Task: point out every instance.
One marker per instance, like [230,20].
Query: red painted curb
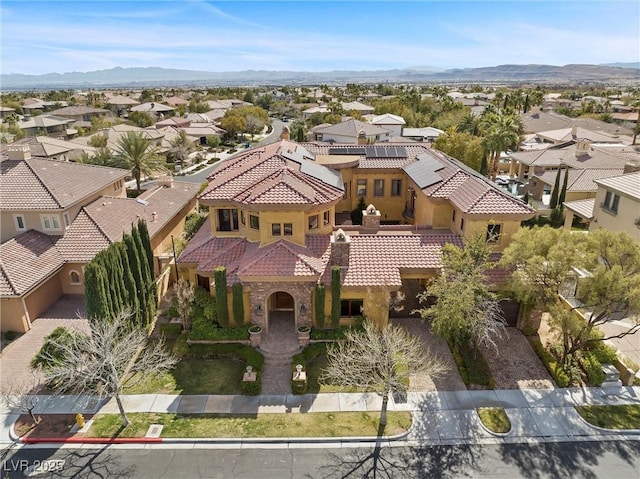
[92,440]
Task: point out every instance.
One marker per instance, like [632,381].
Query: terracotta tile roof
[271,175]
[281,258]
[390,254]
[37,184]
[352,128]
[105,220]
[27,260]
[383,163]
[597,157]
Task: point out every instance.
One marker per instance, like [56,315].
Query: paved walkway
[438,417]
[278,346]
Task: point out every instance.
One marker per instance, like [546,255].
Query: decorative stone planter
[255,336]
[304,336]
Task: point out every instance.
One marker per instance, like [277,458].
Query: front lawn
[195,376]
[329,424]
[495,419]
[612,417]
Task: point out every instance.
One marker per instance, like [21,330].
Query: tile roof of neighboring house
[176,101]
[6,109]
[577,133]
[44,121]
[316,109]
[202,129]
[152,106]
[27,260]
[121,100]
[597,157]
[387,119]
[535,121]
[173,121]
[105,220]
[583,208]
[428,132]
[277,173]
[77,110]
[352,128]
[37,184]
[356,105]
[391,254]
[581,180]
[47,147]
[628,184]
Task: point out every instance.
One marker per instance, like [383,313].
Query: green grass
[612,417]
[495,419]
[194,376]
[472,366]
[330,424]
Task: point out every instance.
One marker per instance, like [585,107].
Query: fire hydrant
[80,420]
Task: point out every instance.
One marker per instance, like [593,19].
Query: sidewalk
[438,417]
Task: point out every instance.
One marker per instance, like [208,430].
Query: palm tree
[500,131]
[469,123]
[138,154]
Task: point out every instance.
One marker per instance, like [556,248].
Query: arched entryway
[281,308]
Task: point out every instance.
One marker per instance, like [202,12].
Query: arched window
[75,277]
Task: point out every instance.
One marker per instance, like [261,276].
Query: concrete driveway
[16,357]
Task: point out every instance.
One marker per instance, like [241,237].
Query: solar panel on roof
[346,151]
[385,151]
[424,171]
[322,173]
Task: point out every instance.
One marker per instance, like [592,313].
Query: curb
[91,440]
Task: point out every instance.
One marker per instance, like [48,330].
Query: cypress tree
[563,191]
[238,304]
[222,309]
[336,278]
[556,190]
[136,270]
[146,242]
[147,275]
[133,302]
[96,296]
[484,165]
[319,295]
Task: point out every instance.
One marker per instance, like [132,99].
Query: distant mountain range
[155,76]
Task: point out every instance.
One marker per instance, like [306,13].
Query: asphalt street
[592,459]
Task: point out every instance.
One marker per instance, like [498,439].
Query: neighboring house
[33,106]
[154,108]
[36,269]
[46,125]
[580,183]
[5,111]
[616,206]
[175,121]
[80,113]
[580,155]
[351,131]
[272,225]
[54,148]
[46,195]
[357,106]
[427,134]
[309,112]
[563,135]
[393,123]
[120,103]
[536,120]
[176,101]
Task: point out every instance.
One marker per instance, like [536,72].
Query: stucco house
[53,224]
[615,207]
[351,131]
[277,224]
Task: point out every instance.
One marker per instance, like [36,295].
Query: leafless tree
[22,394]
[102,362]
[380,360]
[185,294]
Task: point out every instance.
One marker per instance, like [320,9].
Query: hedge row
[561,378]
[249,355]
[204,329]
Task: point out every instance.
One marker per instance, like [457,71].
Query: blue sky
[50,36]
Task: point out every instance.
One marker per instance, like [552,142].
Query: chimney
[631,166]
[362,138]
[19,152]
[582,148]
[154,216]
[166,181]
[574,131]
[285,135]
[370,220]
[340,247]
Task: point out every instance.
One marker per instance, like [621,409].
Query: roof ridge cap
[6,275]
[100,229]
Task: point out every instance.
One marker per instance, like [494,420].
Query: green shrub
[204,305]
[474,366]
[559,375]
[172,312]
[171,330]
[180,347]
[318,303]
[237,305]
[252,388]
[193,223]
[205,330]
[220,280]
[604,353]
[10,335]
[593,369]
[252,357]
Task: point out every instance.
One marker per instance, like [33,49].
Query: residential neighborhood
[368,268]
